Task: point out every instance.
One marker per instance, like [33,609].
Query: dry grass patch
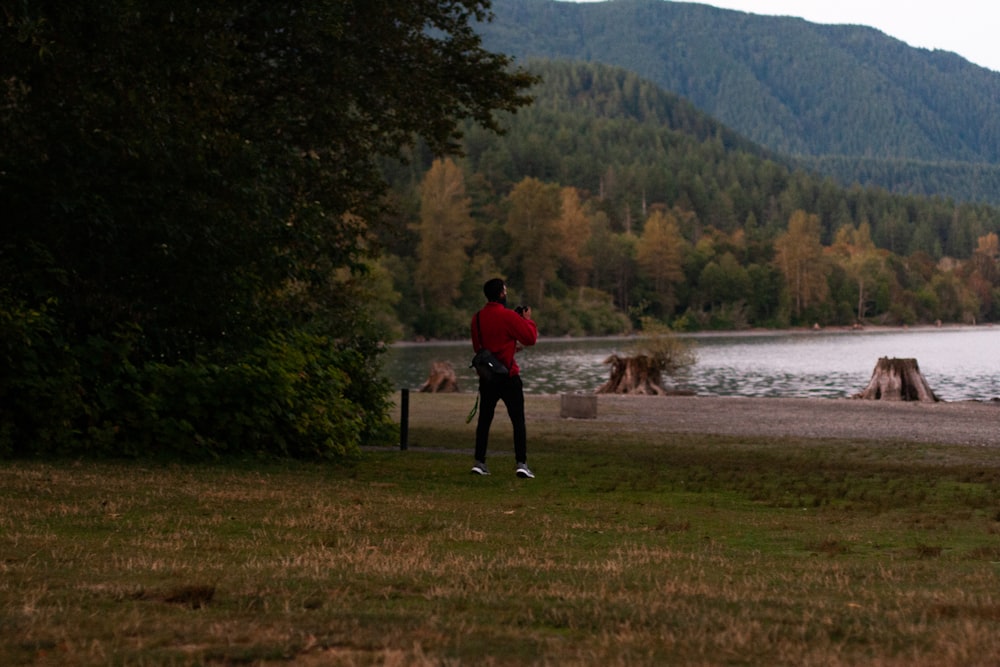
[648,550]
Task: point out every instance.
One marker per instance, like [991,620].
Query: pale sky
[966,27]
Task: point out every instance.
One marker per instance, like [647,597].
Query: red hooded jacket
[502,330]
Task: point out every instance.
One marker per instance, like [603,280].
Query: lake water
[958,363]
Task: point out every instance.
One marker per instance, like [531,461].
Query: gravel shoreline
[963,422]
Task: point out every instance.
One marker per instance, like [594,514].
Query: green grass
[631,547]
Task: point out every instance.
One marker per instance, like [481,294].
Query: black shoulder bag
[489,368]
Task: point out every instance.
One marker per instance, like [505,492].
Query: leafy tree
[659,254]
[986,257]
[956,302]
[765,297]
[192,189]
[854,250]
[574,228]
[445,231]
[536,241]
[724,281]
[799,256]
[984,273]
[614,260]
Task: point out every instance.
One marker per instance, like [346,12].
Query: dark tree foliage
[187,185]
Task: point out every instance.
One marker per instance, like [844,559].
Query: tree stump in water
[897,380]
[442,379]
[633,375]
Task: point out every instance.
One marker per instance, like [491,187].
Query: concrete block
[578,406]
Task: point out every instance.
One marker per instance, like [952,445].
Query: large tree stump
[633,375]
[442,379]
[897,380]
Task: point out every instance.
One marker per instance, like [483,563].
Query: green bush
[297,396]
[585,313]
[442,323]
[287,399]
[40,396]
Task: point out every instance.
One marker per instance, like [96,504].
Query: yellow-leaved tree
[445,231]
[799,257]
[574,227]
[660,255]
[986,257]
[984,273]
[536,241]
[854,249]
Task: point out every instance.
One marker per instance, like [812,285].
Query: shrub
[297,395]
[40,394]
[585,313]
[286,399]
[668,353]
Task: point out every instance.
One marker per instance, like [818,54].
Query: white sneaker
[480,469]
[524,471]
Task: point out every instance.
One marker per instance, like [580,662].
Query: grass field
[630,548]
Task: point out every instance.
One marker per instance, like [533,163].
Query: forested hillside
[610,200]
[847,100]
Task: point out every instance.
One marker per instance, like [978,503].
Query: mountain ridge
[823,94]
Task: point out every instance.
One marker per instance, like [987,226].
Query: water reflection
[959,363]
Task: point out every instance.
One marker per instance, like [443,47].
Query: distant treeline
[609,201]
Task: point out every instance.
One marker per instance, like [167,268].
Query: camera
[520,310]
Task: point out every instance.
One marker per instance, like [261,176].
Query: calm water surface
[959,363]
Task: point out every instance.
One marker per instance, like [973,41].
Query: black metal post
[404,419]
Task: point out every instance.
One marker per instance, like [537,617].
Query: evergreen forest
[845,100]
[609,203]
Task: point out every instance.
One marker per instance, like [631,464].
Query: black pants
[511,392]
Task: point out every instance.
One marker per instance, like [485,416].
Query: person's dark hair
[493,288]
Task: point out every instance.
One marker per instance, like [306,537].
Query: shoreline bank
[735,333]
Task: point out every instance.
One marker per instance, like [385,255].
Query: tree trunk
[442,379]
[861,299]
[897,380]
[632,375]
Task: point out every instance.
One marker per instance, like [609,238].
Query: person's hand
[526,312]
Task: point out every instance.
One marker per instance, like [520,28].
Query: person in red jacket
[501,330]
